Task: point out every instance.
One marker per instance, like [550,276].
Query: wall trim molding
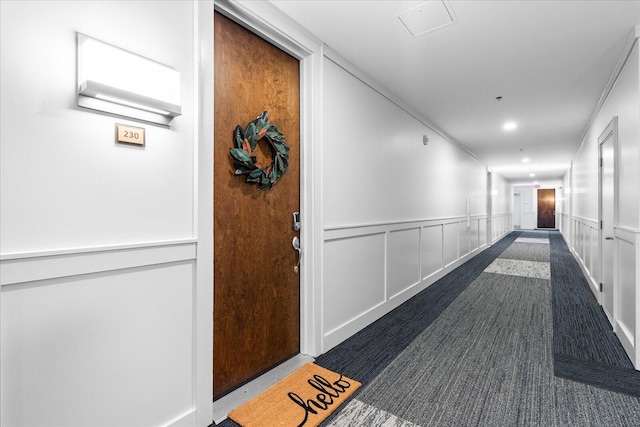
[587,221]
[91,249]
[22,268]
[340,231]
[629,235]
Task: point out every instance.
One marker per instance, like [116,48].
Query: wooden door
[547,208]
[256,291]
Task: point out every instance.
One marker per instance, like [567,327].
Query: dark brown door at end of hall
[547,208]
[256,315]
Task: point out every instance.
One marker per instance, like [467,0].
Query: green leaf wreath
[246,141]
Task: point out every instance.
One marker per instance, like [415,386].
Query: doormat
[304,398]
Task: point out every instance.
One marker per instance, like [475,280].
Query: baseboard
[188,419]
[628,343]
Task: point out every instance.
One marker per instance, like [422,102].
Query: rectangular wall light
[115,81]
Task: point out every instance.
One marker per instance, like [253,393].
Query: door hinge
[600,286]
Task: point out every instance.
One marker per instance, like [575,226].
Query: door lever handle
[608,238]
[296,245]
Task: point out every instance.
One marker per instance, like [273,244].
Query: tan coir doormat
[304,398]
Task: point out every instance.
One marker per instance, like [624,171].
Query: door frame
[610,132]
[268,22]
[265,20]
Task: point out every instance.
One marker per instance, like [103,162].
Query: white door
[607,216]
[517,210]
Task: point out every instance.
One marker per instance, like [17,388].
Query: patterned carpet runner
[514,337]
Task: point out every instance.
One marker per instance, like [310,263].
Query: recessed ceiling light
[526,160]
[510,126]
[532,175]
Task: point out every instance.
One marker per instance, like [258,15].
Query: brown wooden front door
[256,291]
[547,208]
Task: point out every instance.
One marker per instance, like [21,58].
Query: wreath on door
[246,142]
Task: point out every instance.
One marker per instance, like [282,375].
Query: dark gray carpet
[478,349]
[485,361]
[584,345]
[488,360]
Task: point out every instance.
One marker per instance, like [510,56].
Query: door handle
[296,245]
[608,238]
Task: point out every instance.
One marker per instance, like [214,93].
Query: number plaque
[129,135]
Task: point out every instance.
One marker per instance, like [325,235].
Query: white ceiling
[549,60]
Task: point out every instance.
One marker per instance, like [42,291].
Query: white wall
[564,207]
[98,240]
[65,184]
[623,102]
[395,210]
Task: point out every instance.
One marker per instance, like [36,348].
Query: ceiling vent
[427,17]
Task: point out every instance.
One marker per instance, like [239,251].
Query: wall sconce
[115,81]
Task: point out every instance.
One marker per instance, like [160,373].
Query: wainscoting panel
[626,323]
[403,260]
[85,338]
[594,256]
[585,248]
[354,278]
[473,234]
[371,269]
[482,232]
[450,243]
[585,245]
[464,239]
[565,224]
[500,226]
[431,243]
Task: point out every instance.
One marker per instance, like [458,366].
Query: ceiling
[549,61]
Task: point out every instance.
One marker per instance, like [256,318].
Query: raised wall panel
[626,316]
[464,243]
[431,243]
[372,269]
[482,231]
[595,256]
[450,243]
[354,278]
[118,344]
[403,260]
[473,232]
